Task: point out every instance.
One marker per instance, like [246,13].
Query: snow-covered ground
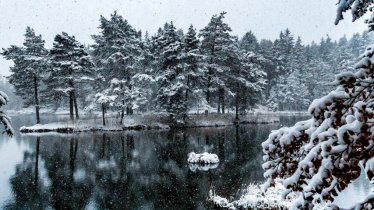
[93,122]
[81,126]
[254,198]
[203,158]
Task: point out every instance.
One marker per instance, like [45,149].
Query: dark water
[129,170]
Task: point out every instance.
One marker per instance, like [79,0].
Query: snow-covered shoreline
[147,122]
[76,128]
[254,198]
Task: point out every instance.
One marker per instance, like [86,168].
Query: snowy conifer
[192,69]
[216,45]
[170,73]
[30,64]
[321,156]
[71,66]
[117,51]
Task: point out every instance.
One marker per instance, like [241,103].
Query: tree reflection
[135,170]
[66,192]
[29,192]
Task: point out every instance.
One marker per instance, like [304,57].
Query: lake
[132,169]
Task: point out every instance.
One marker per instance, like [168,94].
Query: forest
[177,72]
[278,124]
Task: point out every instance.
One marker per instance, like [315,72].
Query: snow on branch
[358,9]
[321,156]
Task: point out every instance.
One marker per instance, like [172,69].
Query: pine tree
[171,77]
[193,72]
[319,157]
[250,79]
[117,52]
[249,42]
[71,65]
[216,45]
[281,57]
[30,64]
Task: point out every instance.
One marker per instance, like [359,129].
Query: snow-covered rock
[203,158]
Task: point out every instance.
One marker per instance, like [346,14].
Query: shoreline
[148,122]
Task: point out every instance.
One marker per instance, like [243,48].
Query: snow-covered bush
[254,198]
[321,156]
[5,120]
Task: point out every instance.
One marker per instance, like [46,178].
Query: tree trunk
[75,105]
[71,96]
[222,93]
[122,111]
[71,105]
[219,103]
[223,105]
[103,112]
[237,103]
[123,105]
[36,100]
[129,110]
[186,98]
[209,84]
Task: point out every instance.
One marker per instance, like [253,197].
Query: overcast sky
[266,18]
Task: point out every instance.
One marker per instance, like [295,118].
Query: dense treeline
[174,71]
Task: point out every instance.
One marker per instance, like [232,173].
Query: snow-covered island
[147,122]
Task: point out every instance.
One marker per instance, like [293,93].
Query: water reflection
[131,170]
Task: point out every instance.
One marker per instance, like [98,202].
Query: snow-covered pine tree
[249,42]
[193,72]
[171,77]
[280,55]
[5,120]
[296,88]
[216,45]
[250,80]
[30,64]
[71,65]
[117,51]
[344,58]
[319,157]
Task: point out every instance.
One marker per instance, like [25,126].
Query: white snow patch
[204,158]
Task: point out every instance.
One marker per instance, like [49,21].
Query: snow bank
[254,198]
[204,158]
[82,127]
[65,128]
[148,121]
